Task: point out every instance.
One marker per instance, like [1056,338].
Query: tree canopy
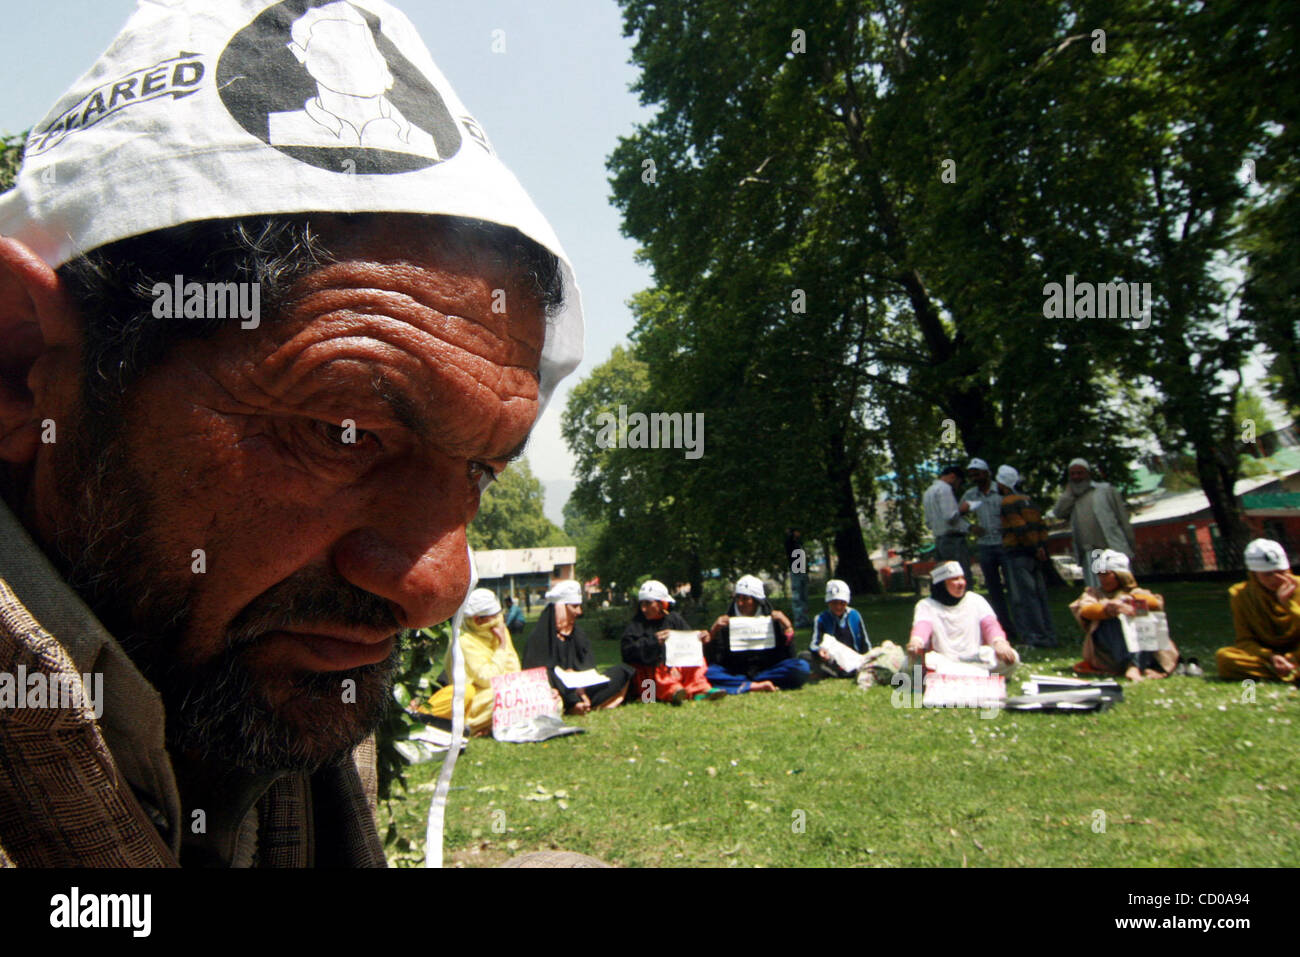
[854,211]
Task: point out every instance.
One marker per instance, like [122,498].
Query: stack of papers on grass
[1083,699]
[1049,684]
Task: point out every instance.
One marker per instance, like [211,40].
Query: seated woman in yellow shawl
[488,650]
[1266,617]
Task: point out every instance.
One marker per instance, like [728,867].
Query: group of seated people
[951,621]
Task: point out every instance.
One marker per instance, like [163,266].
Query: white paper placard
[844,656]
[964,691]
[579,679]
[751,634]
[683,650]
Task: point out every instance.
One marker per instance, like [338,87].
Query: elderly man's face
[315,549]
[1078,473]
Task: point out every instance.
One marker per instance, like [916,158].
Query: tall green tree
[511,514]
[922,172]
[11,158]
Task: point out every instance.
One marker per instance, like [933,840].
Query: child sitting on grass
[840,622]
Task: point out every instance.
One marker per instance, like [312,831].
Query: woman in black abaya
[556,640]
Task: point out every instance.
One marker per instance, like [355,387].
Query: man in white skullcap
[1266,618]
[959,624]
[1024,540]
[986,505]
[253,384]
[1098,518]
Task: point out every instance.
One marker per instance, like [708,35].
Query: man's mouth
[333,651]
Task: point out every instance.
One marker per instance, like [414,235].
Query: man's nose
[410,548]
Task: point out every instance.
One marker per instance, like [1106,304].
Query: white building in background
[510,571]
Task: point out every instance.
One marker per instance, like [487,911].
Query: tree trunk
[1217,470]
[854,566]
[696,576]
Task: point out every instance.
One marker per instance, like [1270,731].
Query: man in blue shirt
[840,622]
[514,617]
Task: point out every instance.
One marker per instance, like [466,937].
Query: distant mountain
[557,492]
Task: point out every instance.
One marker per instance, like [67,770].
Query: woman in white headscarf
[1266,616]
[485,642]
[738,670]
[1102,612]
[556,641]
[959,624]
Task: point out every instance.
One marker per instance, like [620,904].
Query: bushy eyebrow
[407,413]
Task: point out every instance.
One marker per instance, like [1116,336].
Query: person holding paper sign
[840,622]
[763,662]
[556,641]
[1266,617]
[1109,616]
[959,624]
[489,652]
[643,648]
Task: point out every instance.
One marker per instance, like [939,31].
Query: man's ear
[40,347]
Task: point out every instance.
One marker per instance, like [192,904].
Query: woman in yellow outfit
[1266,618]
[485,643]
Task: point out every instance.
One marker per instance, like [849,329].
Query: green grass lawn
[1185,771]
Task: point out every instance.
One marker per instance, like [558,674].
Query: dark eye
[344,436]
[479,469]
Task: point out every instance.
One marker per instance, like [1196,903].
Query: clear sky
[554,104]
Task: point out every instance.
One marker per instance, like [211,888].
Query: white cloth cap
[566,591]
[942,572]
[837,590]
[751,586]
[201,110]
[1008,476]
[978,464]
[1266,555]
[482,601]
[1110,561]
[654,591]
[1083,462]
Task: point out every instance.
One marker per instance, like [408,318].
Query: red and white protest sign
[519,696]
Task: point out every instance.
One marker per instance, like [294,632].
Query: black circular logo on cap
[322,83]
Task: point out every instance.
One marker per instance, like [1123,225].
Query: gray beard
[216,710]
[1078,488]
